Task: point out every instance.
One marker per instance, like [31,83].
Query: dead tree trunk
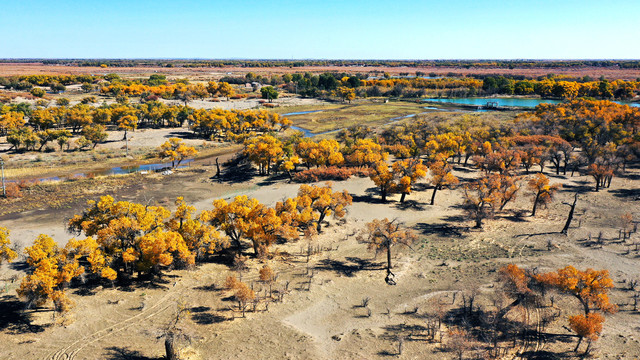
[565,230]
[169,347]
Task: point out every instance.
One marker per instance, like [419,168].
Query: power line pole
[4,189]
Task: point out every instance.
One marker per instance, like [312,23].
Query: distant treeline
[624,64]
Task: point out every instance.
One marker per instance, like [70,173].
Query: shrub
[13,191]
[37,92]
[329,173]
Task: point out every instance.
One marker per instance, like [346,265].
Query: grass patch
[332,117]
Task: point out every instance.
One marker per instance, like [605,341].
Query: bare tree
[565,230]
[382,235]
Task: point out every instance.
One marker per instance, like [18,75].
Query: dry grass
[332,117]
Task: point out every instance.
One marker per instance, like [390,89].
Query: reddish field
[15,69]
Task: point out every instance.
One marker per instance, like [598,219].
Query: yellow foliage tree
[323,201]
[409,171]
[384,178]
[365,152]
[130,237]
[441,175]
[6,253]
[50,270]
[263,150]
[176,151]
[201,238]
[225,90]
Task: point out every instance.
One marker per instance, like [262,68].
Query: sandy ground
[326,321]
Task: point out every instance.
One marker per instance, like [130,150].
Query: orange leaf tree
[591,287]
[481,198]
[543,190]
[263,150]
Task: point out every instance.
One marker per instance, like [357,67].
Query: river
[515,102]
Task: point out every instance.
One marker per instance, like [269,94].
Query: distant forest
[623,64]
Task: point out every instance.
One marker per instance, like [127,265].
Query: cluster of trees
[124,238]
[596,137]
[158,87]
[30,128]
[469,86]
[235,124]
[498,185]
[54,82]
[608,134]
[590,287]
[562,89]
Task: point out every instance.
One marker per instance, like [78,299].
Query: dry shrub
[269,105]
[13,191]
[239,96]
[329,173]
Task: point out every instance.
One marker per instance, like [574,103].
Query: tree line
[30,128]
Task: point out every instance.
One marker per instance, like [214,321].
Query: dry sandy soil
[325,321]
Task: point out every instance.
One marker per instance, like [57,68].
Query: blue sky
[328,29]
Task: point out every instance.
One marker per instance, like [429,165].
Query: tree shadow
[421,187]
[236,170]
[632,194]
[411,332]
[199,309]
[483,326]
[629,176]
[546,355]
[15,319]
[411,204]
[580,187]
[537,234]
[515,216]
[211,288]
[123,353]
[387,353]
[273,179]
[183,135]
[463,169]
[205,318]
[443,230]
[371,196]
[19,266]
[350,266]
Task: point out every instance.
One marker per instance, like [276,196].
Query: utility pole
[4,189]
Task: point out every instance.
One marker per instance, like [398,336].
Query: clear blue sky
[327,29]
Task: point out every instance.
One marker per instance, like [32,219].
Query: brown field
[202,73]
